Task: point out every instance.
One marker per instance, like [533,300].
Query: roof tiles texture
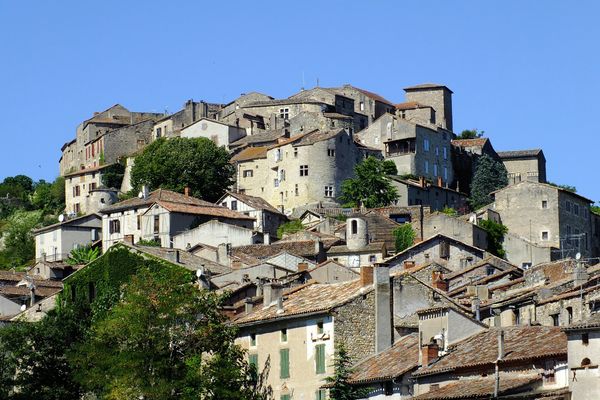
[481,388]
[519,153]
[302,248]
[255,202]
[155,196]
[212,210]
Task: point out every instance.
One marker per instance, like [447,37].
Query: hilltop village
[450,316]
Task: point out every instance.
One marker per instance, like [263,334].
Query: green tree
[490,175]
[595,208]
[49,197]
[404,237]
[389,167]
[19,246]
[470,134]
[568,188]
[179,162]
[449,211]
[112,176]
[289,227]
[370,186]
[495,236]
[83,255]
[341,388]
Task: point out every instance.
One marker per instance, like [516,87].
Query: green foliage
[112,176]
[409,176]
[49,197]
[83,255]
[490,175]
[595,208]
[102,158]
[148,242]
[405,237]
[341,217]
[450,211]
[289,227]
[470,134]
[568,188]
[19,245]
[179,162]
[495,236]
[389,167]
[370,186]
[341,389]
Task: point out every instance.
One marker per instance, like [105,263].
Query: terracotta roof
[304,248]
[426,86]
[522,343]
[261,137]
[399,359]
[87,170]
[519,153]
[479,142]
[369,248]
[593,322]
[153,197]
[482,387]
[212,210]
[313,298]
[250,153]
[410,105]
[255,202]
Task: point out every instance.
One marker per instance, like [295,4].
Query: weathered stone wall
[354,325]
[439,98]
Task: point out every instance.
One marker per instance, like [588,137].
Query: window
[320,395]
[234,205]
[253,360]
[76,191]
[568,206]
[114,226]
[304,170]
[331,152]
[284,335]
[328,191]
[372,258]
[320,359]
[435,170]
[426,167]
[284,363]
[388,388]
[354,227]
[576,209]
[295,152]
[248,173]
[569,315]
[544,204]
[437,151]
[425,144]
[253,339]
[158,132]
[93,186]
[544,235]
[586,362]
[362,106]
[77,208]
[555,319]
[446,174]
[278,156]
[585,339]
[445,149]
[296,191]
[156,223]
[320,327]
[139,222]
[282,175]
[284,113]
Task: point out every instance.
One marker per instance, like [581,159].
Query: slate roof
[396,361]
[593,322]
[482,387]
[317,136]
[310,299]
[255,202]
[250,153]
[522,343]
[519,153]
[303,248]
[66,223]
[369,248]
[153,197]
[261,137]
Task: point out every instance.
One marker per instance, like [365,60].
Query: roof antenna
[317,82]
[302,88]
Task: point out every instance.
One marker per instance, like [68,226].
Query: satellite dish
[61,218]
[578,256]
[23,307]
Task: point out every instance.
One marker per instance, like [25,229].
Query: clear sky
[525,72]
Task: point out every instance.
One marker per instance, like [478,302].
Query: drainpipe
[497,367]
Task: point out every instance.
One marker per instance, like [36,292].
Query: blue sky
[525,72]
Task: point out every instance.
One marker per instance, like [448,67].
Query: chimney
[429,352]
[272,291]
[438,282]
[186,191]
[383,308]
[280,309]
[248,305]
[475,307]
[128,239]
[145,192]
[422,181]
[266,238]
[302,267]
[173,256]
[319,250]
[439,181]
[408,264]
[223,252]
[366,276]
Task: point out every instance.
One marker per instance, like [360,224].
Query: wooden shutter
[320,358]
[253,360]
[284,363]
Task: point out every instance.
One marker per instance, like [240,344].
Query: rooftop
[303,248]
[482,388]
[156,196]
[593,322]
[258,203]
[211,210]
[519,153]
[478,142]
[426,86]
[410,105]
[251,153]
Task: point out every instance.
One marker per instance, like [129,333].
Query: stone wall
[354,324]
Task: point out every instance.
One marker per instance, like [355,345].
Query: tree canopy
[370,185]
[470,134]
[177,163]
[489,176]
[404,237]
[341,389]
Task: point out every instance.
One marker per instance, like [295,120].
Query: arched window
[354,227]
[585,362]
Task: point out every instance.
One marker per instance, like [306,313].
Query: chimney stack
[145,192]
[429,352]
[383,308]
[272,292]
[475,307]
[366,276]
[302,267]
[319,250]
[248,305]
[438,282]
[186,191]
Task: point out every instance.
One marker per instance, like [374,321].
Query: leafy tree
[289,227]
[490,175]
[165,339]
[83,255]
[470,134]
[341,388]
[370,186]
[19,246]
[449,211]
[49,197]
[112,176]
[595,208]
[495,236]
[405,237]
[568,188]
[179,162]
[389,167]
[148,242]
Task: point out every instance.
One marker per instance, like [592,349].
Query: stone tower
[356,232]
[437,96]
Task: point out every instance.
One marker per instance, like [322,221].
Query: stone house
[465,153]
[332,272]
[284,174]
[583,349]
[20,290]
[266,217]
[456,228]
[546,216]
[171,125]
[220,133]
[524,165]
[358,250]
[421,192]
[312,249]
[234,112]
[85,192]
[214,232]
[53,243]
[436,96]
[366,103]
[416,149]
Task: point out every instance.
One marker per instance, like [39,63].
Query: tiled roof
[156,196]
[410,105]
[304,248]
[251,153]
[336,116]
[432,238]
[87,170]
[426,86]
[479,142]
[24,291]
[497,262]
[258,203]
[482,387]
[593,322]
[261,137]
[522,343]
[399,359]
[212,210]
[317,136]
[67,222]
[370,247]
[312,298]
[374,96]
[519,153]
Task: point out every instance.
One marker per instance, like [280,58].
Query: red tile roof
[211,211]
[250,153]
[482,387]
[410,105]
[153,197]
[479,142]
[255,202]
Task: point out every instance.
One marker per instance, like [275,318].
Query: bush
[495,236]
[405,237]
[290,227]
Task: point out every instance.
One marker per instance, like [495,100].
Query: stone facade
[436,197]
[192,111]
[524,165]
[84,192]
[437,96]
[455,228]
[220,133]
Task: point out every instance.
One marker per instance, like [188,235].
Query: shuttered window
[285,397]
[253,360]
[320,358]
[320,395]
[284,363]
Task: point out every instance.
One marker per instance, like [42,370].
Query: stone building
[220,133]
[85,192]
[421,192]
[546,216]
[583,349]
[171,125]
[284,174]
[456,228]
[524,165]
[366,103]
[358,250]
[465,153]
[438,97]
